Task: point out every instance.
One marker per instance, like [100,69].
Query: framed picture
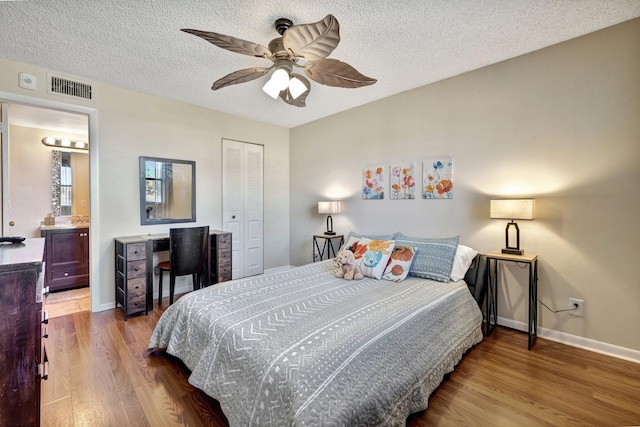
[437,178]
[373,183]
[402,182]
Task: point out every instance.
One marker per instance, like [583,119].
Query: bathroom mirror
[167,190]
[69,183]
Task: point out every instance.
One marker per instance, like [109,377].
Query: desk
[327,247]
[134,267]
[492,295]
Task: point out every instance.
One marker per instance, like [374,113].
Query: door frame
[94,231]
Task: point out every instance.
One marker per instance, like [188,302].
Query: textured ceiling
[137,44]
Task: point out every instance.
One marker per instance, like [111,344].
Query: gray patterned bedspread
[302,347]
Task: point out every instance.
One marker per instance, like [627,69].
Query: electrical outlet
[579,310]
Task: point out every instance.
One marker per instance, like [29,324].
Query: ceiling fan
[304,46]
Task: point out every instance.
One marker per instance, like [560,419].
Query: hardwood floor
[99,376]
[67,302]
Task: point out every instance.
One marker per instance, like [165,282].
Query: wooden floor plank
[101,374]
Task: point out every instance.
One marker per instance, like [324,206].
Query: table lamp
[512,209]
[331,207]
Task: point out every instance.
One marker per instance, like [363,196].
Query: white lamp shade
[296,87]
[332,207]
[280,78]
[513,209]
[271,89]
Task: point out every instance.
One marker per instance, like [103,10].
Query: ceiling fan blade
[300,100]
[231,43]
[240,76]
[313,41]
[332,72]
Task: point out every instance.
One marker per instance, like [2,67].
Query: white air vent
[69,87]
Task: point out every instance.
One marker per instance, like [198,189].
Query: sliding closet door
[242,205]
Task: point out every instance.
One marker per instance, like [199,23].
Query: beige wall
[132,124]
[561,124]
[30,179]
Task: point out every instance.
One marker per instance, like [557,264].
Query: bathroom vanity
[66,256]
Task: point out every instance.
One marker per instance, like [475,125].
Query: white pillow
[462,262]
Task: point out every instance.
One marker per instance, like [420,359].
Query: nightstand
[328,249]
[492,294]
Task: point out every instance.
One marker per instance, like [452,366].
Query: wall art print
[402,182]
[373,183]
[437,178]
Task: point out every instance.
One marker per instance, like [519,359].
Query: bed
[303,347]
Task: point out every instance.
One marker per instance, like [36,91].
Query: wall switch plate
[579,312]
[28,81]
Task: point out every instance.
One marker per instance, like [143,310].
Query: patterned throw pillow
[399,263]
[353,237]
[372,256]
[434,257]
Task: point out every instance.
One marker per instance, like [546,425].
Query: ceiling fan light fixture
[305,46]
[296,87]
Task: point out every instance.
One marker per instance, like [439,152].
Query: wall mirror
[167,190]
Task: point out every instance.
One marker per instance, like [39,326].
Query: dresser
[220,256]
[22,328]
[134,267]
[131,275]
[67,257]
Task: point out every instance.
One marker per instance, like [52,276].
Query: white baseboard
[576,341]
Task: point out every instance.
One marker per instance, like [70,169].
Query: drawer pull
[45,317]
[135,252]
[46,332]
[45,371]
[66,274]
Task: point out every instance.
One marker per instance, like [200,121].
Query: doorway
[41,180]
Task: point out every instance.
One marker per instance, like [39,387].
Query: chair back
[188,250]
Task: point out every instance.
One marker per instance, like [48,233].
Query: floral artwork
[373,179]
[402,181]
[437,178]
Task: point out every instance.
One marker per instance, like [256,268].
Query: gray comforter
[302,347]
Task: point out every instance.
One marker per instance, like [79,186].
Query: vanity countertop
[63,226]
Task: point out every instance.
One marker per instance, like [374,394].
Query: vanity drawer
[136,251]
[136,269]
[61,273]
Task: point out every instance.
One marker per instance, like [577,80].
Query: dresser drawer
[136,304]
[224,271]
[136,269]
[136,251]
[136,287]
[224,242]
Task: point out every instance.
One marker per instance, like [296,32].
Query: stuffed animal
[348,267]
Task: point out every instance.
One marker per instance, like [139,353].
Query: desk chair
[188,254]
